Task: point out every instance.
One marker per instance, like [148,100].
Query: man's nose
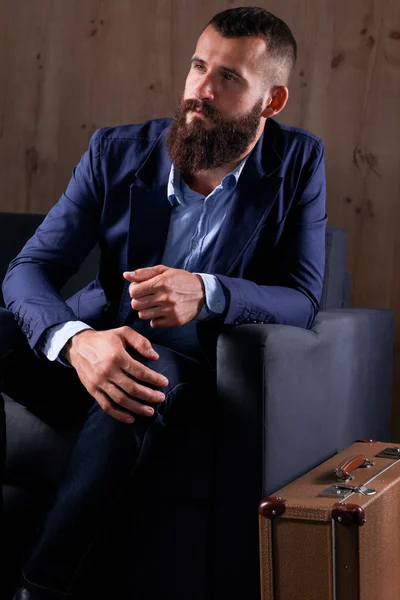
[205,89]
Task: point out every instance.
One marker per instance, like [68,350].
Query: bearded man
[213,219]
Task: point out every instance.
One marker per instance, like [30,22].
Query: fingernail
[161,397]
[153,352]
[149,411]
[165,382]
[130,420]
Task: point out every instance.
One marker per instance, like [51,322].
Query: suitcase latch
[390,453]
[339,490]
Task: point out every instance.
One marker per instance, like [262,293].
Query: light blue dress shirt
[194,226]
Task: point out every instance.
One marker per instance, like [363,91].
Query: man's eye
[229,77]
[198,66]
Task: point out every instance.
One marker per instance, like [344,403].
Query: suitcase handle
[351,463]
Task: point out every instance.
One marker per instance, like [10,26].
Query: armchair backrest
[15,231]
[17,228]
[336,288]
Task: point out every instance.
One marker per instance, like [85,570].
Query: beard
[194,146]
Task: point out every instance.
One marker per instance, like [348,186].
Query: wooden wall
[70,66]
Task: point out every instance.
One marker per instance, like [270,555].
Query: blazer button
[16,316]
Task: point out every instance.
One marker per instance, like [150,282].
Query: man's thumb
[129,276]
[144,274]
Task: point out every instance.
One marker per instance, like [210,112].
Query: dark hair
[258,22]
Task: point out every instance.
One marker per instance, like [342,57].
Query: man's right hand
[105,368]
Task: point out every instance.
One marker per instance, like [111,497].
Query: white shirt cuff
[58,336]
[214,298]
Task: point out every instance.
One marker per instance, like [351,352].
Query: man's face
[219,114]
[228,73]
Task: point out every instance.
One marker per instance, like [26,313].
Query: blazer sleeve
[299,262]
[32,284]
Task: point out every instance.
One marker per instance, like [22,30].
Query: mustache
[205,107]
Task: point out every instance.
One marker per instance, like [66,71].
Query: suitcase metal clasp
[339,490]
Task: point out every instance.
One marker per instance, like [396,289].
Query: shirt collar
[174,188]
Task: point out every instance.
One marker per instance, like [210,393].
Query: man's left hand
[166,297]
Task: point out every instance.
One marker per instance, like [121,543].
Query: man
[214,219]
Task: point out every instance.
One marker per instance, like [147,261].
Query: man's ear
[279,97]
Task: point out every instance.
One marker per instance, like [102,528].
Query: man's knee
[176,367]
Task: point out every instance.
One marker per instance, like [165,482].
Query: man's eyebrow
[197,60]
[227,69]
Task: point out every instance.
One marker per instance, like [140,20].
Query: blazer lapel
[253,199]
[149,218]
[150,210]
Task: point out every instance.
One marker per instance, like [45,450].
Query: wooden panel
[68,67]
[347,90]
[72,67]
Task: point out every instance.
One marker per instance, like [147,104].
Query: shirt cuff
[58,336]
[215,300]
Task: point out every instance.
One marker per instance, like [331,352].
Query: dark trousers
[105,457]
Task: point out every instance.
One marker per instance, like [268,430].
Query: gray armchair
[288,398]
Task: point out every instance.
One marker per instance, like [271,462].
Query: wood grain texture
[68,67]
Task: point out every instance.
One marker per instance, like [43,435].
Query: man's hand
[166,297]
[106,369]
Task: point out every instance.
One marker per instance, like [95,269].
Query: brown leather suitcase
[320,540]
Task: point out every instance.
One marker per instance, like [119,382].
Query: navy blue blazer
[269,254]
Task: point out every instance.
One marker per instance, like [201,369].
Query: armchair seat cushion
[36,451]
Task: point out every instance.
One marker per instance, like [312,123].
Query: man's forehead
[243,52]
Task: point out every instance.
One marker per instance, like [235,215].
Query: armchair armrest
[288,399]
[287,391]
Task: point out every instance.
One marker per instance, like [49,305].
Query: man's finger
[139,342]
[151,313]
[108,406]
[160,323]
[141,290]
[144,274]
[151,301]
